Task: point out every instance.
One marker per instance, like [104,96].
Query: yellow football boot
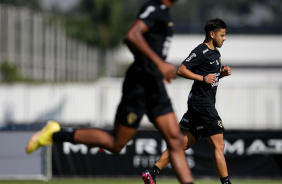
[43,137]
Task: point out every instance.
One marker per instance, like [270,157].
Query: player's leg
[167,124]
[217,143]
[128,116]
[101,138]
[189,140]
[164,160]
[93,137]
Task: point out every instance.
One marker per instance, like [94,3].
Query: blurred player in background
[203,65]
[143,93]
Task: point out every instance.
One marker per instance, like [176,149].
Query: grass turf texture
[137,181]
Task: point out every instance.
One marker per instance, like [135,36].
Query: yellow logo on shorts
[220,124]
[131,117]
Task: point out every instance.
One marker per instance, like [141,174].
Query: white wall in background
[245,100]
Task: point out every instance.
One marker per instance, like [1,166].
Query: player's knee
[175,142]
[186,146]
[116,150]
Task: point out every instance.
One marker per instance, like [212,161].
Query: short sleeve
[148,15]
[194,60]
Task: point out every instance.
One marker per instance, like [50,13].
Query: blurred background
[65,60]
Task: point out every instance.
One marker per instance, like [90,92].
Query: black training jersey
[156,16]
[203,61]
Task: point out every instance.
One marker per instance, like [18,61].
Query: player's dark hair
[214,25]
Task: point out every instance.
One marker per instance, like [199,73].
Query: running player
[143,93]
[203,65]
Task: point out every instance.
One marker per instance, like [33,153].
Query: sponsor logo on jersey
[212,62]
[216,80]
[190,95]
[217,62]
[131,118]
[205,51]
[191,57]
[199,127]
[147,12]
[166,46]
[162,6]
[185,120]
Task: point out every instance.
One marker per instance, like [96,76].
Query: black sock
[64,135]
[189,183]
[154,171]
[225,180]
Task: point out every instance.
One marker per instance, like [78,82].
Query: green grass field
[136,181]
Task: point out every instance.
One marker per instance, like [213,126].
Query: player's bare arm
[182,71]
[135,41]
[225,71]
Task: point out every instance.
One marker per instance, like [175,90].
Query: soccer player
[143,93]
[203,65]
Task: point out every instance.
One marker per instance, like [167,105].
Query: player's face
[219,37]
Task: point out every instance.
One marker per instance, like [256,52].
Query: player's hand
[210,78]
[226,70]
[168,71]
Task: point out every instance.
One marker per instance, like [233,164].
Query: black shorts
[202,121]
[142,93]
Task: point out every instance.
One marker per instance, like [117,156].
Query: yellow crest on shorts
[220,124]
[131,117]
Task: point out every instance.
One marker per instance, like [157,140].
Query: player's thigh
[168,127]
[216,141]
[123,134]
[189,139]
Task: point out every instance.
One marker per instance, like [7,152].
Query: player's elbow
[179,72]
[129,38]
